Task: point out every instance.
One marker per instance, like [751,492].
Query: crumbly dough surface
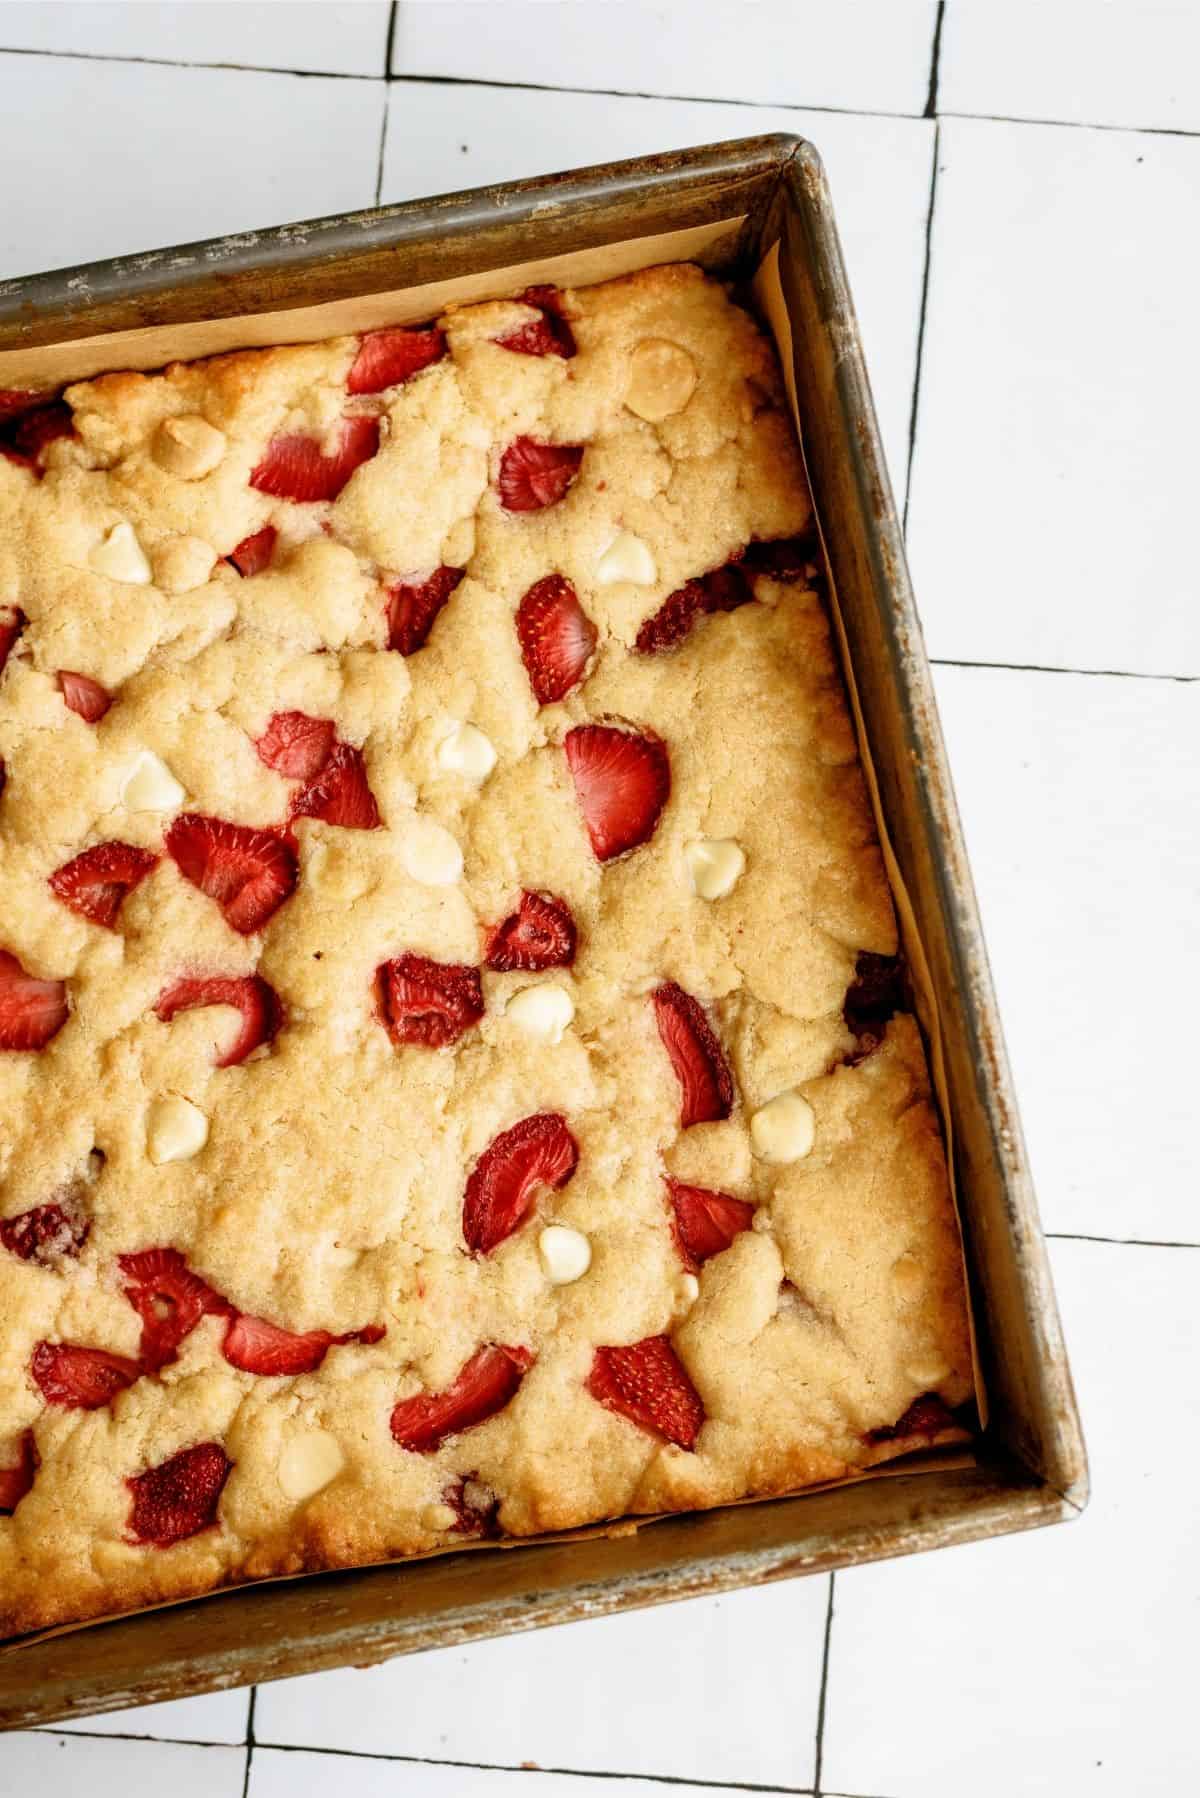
[329,1192]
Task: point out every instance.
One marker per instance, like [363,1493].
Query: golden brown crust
[328,1194]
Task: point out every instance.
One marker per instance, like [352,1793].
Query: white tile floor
[1051,523]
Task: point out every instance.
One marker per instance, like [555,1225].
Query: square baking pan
[743,209]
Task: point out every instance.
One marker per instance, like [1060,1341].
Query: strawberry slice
[721,590]
[475,1509]
[248,872]
[622,781]
[16,1477]
[427,1002]
[82,1378]
[15,400]
[83,695]
[539,934]
[557,637]
[783,558]
[179,1497]
[647,1383]
[97,882]
[296,745]
[249,994]
[34,430]
[31,1010]
[533,475]
[254,552]
[874,995]
[487,1382]
[538,1151]
[705,1082]
[339,793]
[12,623]
[412,607]
[46,1232]
[389,358]
[705,1222]
[927,1416]
[296,467]
[256,1346]
[549,335]
[170,1300]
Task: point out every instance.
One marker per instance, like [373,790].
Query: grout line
[917,366]
[819,1757]
[418,1760]
[178,62]
[635,93]
[249,1740]
[1121,1242]
[390,40]
[383,136]
[1006,118]
[1044,668]
[935,59]
[128,1735]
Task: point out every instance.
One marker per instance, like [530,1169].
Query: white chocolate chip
[121,557]
[439,1517]
[716,864]
[175,1130]
[565,1254]
[468,752]
[430,853]
[308,1462]
[927,1371]
[188,447]
[783,1129]
[687,1290]
[150,786]
[625,559]
[662,379]
[181,564]
[542,1011]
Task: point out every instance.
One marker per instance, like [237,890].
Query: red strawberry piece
[557,637]
[256,1346]
[705,1082]
[15,400]
[487,1382]
[248,872]
[706,1222]
[83,695]
[179,1497]
[16,1477]
[47,1232]
[82,1378]
[249,994]
[297,467]
[427,1002]
[874,995]
[647,1383]
[721,590]
[538,1151]
[549,335]
[475,1508]
[296,745]
[783,558]
[533,475]
[12,623]
[31,1010]
[254,552]
[34,430]
[170,1300]
[389,358]
[412,607]
[339,794]
[622,781]
[97,882]
[926,1416]
[539,934]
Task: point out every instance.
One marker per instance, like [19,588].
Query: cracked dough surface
[329,1192]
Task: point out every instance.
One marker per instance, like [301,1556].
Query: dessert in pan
[456,1074]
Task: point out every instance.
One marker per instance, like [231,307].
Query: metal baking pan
[724,206]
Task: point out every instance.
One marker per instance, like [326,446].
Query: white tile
[872,56]
[1061,1662]
[343,39]
[216,1717]
[716,1689]
[441,138]
[77,1766]
[1079,796]
[115,157]
[1123,62]
[295,1775]
[1053,494]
